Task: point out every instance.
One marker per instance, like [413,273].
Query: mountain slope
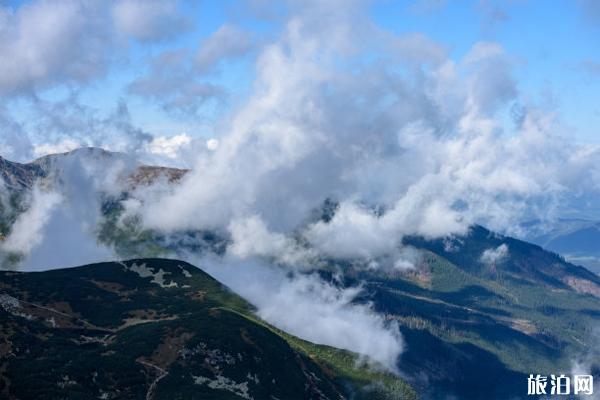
[475,329]
[23,176]
[158,329]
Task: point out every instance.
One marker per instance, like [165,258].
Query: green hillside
[477,330]
[159,329]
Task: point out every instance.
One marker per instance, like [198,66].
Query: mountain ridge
[174,332]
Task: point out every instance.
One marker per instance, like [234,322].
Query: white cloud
[28,230]
[47,42]
[63,146]
[308,307]
[212,144]
[424,145]
[354,232]
[168,146]
[495,255]
[251,238]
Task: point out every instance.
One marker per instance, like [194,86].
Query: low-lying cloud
[308,307]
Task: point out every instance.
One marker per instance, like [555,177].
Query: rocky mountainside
[18,176]
[159,329]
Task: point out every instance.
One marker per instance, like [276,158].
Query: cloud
[354,232]
[45,43]
[148,20]
[212,144]
[225,43]
[308,307]
[63,146]
[411,147]
[62,123]
[587,363]
[418,48]
[251,237]
[14,141]
[168,146]
[66,241]
[28,230]
[495,255]
[52,43]
[60,225]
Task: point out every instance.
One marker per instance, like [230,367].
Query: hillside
[22,176]
[159,329]
[477,330]
[50,172]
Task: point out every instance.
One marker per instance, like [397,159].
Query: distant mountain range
[478,313]
[18,176]
[577,239]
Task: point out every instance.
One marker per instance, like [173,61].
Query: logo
[560,385]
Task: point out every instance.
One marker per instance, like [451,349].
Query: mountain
[476,328]
[51,171]
[160,329]
[18,177]
[478,312]
[577,239]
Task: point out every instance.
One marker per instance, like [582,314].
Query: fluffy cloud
[413,147]
[494,256]
[59,226]
[168,146]
[308,307]
[251,238]
[28,230]
[46,43]
[62,124]
[14,142]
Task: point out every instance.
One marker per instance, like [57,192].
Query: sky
[117,74]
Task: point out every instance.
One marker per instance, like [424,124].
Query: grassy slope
[479,330]
[98,300]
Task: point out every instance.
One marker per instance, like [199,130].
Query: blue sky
[551,42]
[553,49]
